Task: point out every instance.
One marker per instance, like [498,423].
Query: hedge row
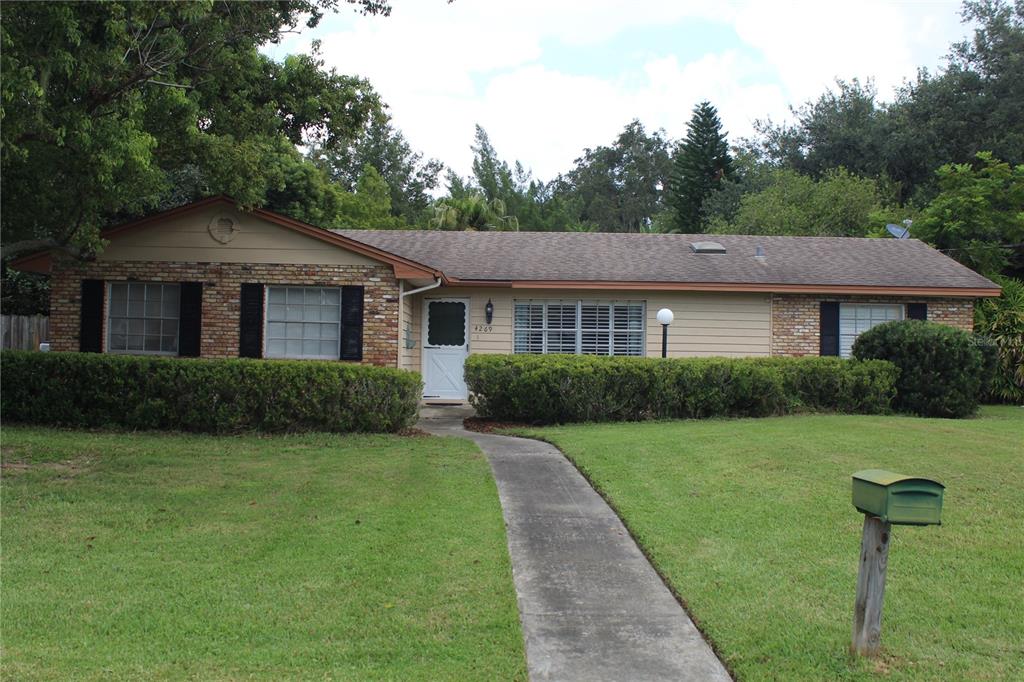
[205,395]
[567,388]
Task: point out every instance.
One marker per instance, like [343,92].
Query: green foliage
[620,188]
[1002,321]
[472,212]
[24,293]
[409,177]
[205,395]
[839,205]
[565,388]
[700,165]
[972,105]
[940,367]
[104,104]
[978,215]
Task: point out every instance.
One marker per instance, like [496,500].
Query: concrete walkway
[591,605]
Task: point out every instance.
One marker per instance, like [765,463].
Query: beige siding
[187,239]
[706,324]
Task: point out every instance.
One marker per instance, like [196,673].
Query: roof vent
[707,247]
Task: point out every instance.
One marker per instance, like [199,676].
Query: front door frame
[424,335]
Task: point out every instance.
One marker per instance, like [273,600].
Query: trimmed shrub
[205,395]
[570,388]
[941,368]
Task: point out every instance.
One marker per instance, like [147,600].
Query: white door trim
[426,356]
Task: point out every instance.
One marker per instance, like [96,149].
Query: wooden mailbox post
[885,498]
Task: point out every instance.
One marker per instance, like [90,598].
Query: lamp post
[665,317]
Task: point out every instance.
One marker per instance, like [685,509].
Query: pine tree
[700,165]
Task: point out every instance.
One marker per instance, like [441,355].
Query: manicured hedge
[568,388]
[214,396]
[942,369]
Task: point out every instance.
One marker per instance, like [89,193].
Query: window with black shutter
[352,323]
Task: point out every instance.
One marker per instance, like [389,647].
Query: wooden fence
[24,332]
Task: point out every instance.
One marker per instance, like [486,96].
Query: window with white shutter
[579,327]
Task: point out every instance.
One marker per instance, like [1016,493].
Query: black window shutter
[90,332]
[917,311]
[250,322]
[352,323]
[190,318]
[829,321]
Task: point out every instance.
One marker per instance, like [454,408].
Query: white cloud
[442,68]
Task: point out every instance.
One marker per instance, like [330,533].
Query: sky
[548,78]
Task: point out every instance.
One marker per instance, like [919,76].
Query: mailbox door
[915,504]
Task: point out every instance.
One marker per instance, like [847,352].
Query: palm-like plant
[473,212]
[1002,320]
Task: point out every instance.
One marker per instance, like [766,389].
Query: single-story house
[211,280]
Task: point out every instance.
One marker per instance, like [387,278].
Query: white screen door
[445,347]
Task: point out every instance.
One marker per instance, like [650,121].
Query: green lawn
[300,557]
[751,523]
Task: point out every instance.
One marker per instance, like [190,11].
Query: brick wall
[221,289]
[795,323]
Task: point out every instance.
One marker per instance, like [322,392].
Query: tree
[410,178]
[104,105]
[472,212]
[978,215]
[619,188]
[972,105]
[839,205]
[701,163]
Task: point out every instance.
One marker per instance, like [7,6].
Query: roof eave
[849,289]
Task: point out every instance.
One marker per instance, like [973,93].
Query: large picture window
[855,319]
[579,327]
[303,322]
[142,318]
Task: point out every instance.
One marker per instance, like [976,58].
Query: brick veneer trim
[222,283]
[795,317]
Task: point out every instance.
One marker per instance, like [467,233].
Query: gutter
[402,294]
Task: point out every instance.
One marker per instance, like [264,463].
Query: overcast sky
[547,78]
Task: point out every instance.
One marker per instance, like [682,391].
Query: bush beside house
[942,369]
[566,388]
[204,395]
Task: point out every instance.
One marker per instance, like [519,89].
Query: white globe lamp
[665,317]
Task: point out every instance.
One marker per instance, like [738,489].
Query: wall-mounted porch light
[489,311]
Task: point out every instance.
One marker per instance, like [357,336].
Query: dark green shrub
[569,388]
[214,396]
[941,367]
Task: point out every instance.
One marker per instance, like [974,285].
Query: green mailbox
[898,499]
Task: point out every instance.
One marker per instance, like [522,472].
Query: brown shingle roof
[596,257]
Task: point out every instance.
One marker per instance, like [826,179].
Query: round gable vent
[223,228]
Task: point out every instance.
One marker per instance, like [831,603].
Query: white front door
[445,347]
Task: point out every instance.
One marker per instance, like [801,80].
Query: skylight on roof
[707,247]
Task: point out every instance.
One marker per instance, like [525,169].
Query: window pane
[446,323]
[529,341]
[136,309]
[152,327]
[275,295]
[310,347]
[170,307]
[329,348]
[275,330]
[293,330]
[136,292]
[275,348]
[561,342]
[152,343]
[293,312]
[330,313]
[135,342]
[332,297]
[561,316]
[312,296]
[119,293]
[329,331]
[118,342]
[136,326]
[275,312]
[294,295]
[594,343]
[293,348]
[118,325]
[310,331]
[529,316]
[311,313]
